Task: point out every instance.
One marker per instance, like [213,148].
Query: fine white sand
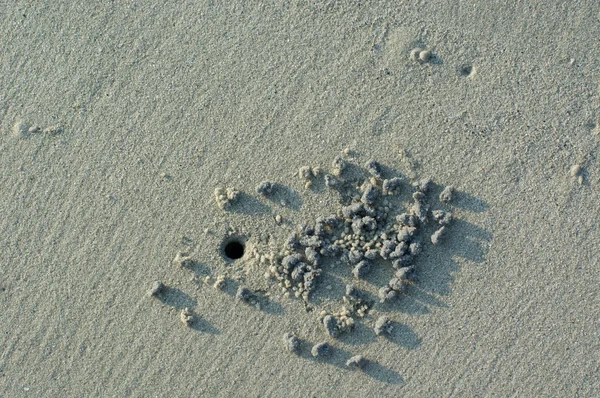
[144,109]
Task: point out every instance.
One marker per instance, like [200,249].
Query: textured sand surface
[157,105]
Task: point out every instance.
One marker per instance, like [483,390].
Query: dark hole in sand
[234,249]
[465,70]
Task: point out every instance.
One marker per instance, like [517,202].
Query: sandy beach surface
[118,120]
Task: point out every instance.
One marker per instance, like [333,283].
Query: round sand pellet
[425,56]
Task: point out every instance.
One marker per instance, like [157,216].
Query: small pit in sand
[233,249]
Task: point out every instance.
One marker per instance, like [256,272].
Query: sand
[118,121]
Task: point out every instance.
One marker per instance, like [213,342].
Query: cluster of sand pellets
[420,55]
[22,129]
[372,230]
[382,221]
